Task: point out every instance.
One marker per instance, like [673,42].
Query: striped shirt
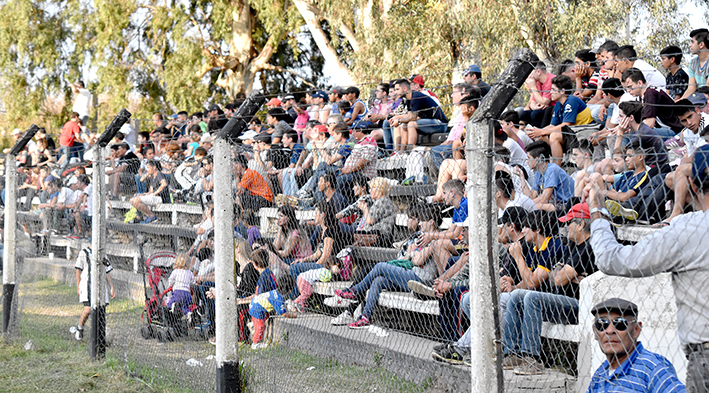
[180,280]
[643,371]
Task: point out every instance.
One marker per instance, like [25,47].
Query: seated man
[506,195]
[279,120]
[125,165]
[631,126]
[583,159]
[294,150]
[424,116]
[461,91]
[48,213]
[694,123]
[628,363]
[540,106]
[252,191]
[158,192]
[526,310]
[657,105]
[551,186]
[569,110]
[362,161]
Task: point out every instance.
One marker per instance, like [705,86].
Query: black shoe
[448,355]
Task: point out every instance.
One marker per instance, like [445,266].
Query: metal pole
[8,268]
[228,379]
[98,245]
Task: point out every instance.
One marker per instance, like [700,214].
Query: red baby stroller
[161,322]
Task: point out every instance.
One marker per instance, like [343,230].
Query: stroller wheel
[145,332]
[161,336]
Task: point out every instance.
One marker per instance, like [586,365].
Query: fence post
[98,238]
[486,349]
[226,314]
[9,241]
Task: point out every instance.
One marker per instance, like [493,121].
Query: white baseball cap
[16,131]
[250,134]
[73,180]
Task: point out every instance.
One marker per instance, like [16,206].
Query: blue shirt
[556,178]
[569,112]
[460,214]
[265,303]
[295,155]
[628,181]
[642,371]
[266,282]
[426,107]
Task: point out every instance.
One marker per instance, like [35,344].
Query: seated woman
[291,241]
[417,264]
[379,216]
[203,272]
[331,241]
[247,279]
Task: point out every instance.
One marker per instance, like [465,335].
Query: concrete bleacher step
[408,357]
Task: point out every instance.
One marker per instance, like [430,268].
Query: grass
[57,363]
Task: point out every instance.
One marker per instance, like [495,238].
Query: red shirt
[69,132]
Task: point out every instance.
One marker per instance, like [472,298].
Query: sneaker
[418,288]
[346,294]
[361,323]
[511,361]
[148,220]
[213,341]
[531,366]
[72,237]
[343,319]
[616,209]
[448,355]
[260,345]
[337,302]
[409,181]
[79,335]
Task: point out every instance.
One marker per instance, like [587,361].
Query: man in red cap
[417,85]
[273,103]
[527,309]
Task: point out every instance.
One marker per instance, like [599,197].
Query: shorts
[86,304]
[151,200]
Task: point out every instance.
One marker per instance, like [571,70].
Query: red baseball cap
[417,79]
[579,210]
[321,128]
[274,102]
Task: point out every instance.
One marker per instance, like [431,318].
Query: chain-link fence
[489,264]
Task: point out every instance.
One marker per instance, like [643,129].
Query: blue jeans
[388,136]
[298,268]
[431,126]
[141,186]
[383,276]
[526,310]
[449,316]
[290,185]
[665,133]
[440,153]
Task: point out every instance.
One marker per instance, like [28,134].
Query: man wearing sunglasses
[679,248]
[629,366]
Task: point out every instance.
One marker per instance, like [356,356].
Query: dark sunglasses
[620,324]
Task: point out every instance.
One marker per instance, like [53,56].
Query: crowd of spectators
[323,150]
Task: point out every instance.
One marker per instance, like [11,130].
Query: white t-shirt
[520,200]
[523,137]
[83,264]
[89,191]
[692,140]
[128,130]
[66,196]
[312,275]
[652,75]
[205,267]
[517,154]
[82,102]
[624,98]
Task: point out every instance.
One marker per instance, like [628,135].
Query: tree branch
[281,69]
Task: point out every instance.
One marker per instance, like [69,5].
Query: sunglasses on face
[620,324]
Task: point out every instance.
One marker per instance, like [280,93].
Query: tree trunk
[309,14]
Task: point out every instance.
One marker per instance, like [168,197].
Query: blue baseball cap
[700,164]
[471,69]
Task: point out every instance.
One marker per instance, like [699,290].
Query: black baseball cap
[618,305]
[263,137]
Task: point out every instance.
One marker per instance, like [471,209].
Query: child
[266,280]
[180,280]
[306,279]
[264,303]
[83,271]
[677,79]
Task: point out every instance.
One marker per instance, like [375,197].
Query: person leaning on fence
[83,287]
[628,365]
[679,249]
[417,264]
[527,309]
